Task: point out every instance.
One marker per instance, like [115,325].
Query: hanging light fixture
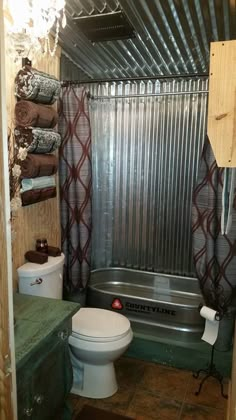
[28,25]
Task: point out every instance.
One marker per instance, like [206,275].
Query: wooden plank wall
[222,102]
[41,219]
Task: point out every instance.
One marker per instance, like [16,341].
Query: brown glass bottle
[42,245]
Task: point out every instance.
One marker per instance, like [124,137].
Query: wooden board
[41,219]
[6,403]
[222,102]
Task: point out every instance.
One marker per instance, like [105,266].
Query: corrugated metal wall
[172,36]
[145,158]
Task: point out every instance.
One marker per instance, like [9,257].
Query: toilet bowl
[99,337]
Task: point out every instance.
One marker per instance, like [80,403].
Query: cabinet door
[45,381]
[24,400]
[51,382]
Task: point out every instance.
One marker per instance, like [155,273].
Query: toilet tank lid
[94,322]
[32,269]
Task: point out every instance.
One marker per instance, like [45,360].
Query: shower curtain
[75,189]
[214,253]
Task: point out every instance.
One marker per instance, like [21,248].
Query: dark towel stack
[35,196]
[36,257]
[42,257]
[53,251]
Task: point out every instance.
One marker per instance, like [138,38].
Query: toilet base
[99,381]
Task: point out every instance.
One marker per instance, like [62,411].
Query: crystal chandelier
[28,24]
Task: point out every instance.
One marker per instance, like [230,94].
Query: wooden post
[7,362]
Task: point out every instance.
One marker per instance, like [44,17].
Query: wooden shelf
[222,102]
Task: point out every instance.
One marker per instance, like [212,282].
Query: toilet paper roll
[211,325]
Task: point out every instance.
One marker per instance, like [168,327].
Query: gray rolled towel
[37,140]
[37,86]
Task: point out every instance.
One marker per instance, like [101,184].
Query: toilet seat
[99,325]
[100,339]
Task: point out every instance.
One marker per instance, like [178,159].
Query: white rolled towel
[28,184]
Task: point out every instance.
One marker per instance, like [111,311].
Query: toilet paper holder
[211,370]
[218,316]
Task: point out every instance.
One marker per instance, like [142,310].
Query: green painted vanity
[43,368]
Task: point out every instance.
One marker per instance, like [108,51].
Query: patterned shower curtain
[75,188]
[214,253]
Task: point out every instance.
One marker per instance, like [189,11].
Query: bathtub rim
[147,273]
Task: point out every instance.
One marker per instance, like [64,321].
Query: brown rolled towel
[53,251]
[29,114]
[34,196]
[36,85]
[39,165]
[36,257]
[37,140]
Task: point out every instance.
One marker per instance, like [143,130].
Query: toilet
[98,338]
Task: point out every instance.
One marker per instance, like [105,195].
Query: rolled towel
[28,184]
[36,257]
[53,251]
[28,114]
[37,140]
[38,165]
[37,86]
[35,196]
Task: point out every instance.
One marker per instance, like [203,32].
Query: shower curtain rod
[138,78]
[149,94]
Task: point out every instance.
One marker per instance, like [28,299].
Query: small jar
[42,245]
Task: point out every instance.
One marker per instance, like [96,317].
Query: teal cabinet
[43,367]
[44,383]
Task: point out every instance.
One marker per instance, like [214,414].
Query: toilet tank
[42,279]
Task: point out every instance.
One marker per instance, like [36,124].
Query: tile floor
[148,391]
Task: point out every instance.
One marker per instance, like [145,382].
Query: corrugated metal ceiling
[172,37]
